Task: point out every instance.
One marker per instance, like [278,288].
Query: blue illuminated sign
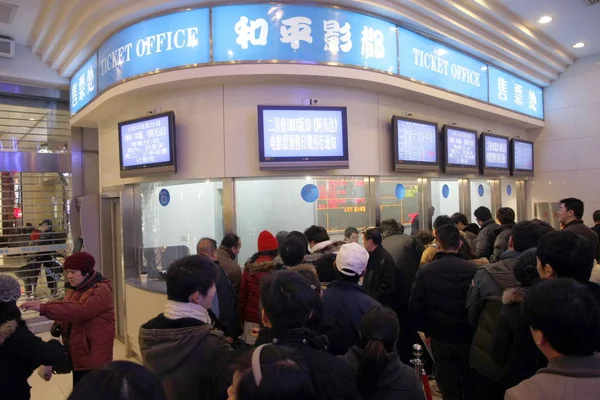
[303,33]
[164,42]
[417,142]
[516,94]
[523,156]
[146,142]
[496,152]
[462,147]
[84,85]
[427,61]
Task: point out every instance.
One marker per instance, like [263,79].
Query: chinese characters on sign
[462,147]
[146,142]
[417,142]
[496,152]
[83,85]
[523,156]
[515,94]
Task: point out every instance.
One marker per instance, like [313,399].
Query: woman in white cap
[21,352]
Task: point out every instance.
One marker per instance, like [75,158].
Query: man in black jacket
[570,214]
[484,242]
[438,308]
[288,301]
[405,250]
[506,217]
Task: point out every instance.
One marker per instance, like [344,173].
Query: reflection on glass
[509,200]
[480,198]
[401,205]
[442,204]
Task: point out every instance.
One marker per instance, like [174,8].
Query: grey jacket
[503,234]
[231,267]
[406,252]
[565,378]
[484,242]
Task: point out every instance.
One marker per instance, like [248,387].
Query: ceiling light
[545,19]
[578,45]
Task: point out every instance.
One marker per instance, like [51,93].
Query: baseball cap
[352,259]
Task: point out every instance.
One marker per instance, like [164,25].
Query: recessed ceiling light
[545,19]
[578,45]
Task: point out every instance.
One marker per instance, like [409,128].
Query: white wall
[477,200]
[566,150]
[28,68]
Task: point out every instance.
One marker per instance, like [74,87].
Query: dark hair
[316,234]
[569,255]
[458,217]
[596,216]
[505,215]
[442,220]
[525,235]
[9,312]
[349,231]
[206,245]
[575,205]
[426,237]
[302,237]
[373,234]
[287,299]
[566,313]
[230,241]
[379,330]
[119,380]
[483,214]
[189,275]
[292,251]
[525,270]
[448,237]
[285,375]
[465,251]
[390,227]
[473,228]
[543,228]
[310,273]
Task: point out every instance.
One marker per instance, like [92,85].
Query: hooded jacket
[249,298]
[484,242]
[182,353]
[21,352]
[398,380]
[503,234]
[89,311]
[514,350]
[322,257]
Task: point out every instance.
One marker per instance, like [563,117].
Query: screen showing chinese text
[145,142]
[303,133]
[417,142]
[462,147]
[496,152]
[523,156]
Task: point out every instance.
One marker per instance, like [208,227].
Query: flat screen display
[495,150]
[417,142]
[306,136]
[461,147]
[148,142]
[523,155]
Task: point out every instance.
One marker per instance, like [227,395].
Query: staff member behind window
[86,316]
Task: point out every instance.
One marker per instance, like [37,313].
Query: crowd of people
[506,310]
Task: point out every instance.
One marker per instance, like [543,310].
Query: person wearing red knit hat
[86,316]
[258,266]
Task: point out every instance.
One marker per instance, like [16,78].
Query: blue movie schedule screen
[303,133]
[496,152]
[462,147]
[417,142]
[146,142]
[523,156]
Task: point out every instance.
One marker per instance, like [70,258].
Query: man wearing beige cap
[344,300]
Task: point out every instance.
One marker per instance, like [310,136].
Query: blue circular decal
[509,190]
[400,191]
[164,197]
[480,190]
[445,191]
[309,193]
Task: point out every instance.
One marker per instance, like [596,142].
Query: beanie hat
[82,261]
[352,259]
[525,270]
[280,236]
[267,242]
[10,290]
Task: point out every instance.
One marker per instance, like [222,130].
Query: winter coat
[503,234]
[249,298]
[322,257]
[406,252]
[226,260]
[334,380]
[21,352]
[438,299]
[87,322]
[384,282]
[465,252]
[484,242]
[398,380]
[469,237]
[514,350]
[565,378]
[227,319]
[580,229]
[182,353]
[346,303]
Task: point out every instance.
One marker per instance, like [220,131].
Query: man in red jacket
[86,316]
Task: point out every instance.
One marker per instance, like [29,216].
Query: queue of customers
[506,309]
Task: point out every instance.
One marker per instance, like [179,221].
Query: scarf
[177,310]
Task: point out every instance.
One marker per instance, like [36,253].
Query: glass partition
[445,197]
[508,188]
[277,204]
[481,195]
[399,199]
